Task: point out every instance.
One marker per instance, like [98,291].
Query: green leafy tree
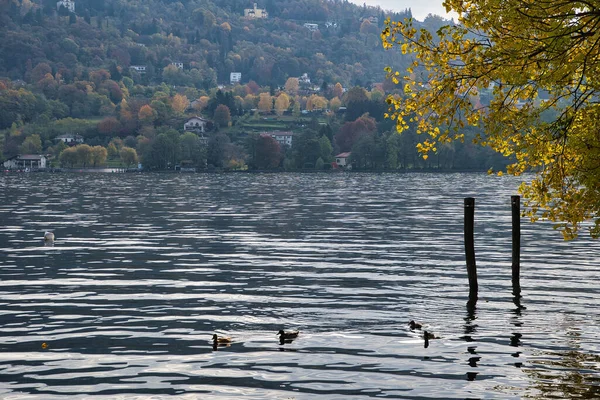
[31,145]
[98,156]
[128,156]
[165,151]
[192,150]
[84,154]
[217,150]
[68,157]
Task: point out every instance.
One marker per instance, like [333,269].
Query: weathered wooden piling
[516,244]
[470,248]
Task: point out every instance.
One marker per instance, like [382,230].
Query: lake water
[147,267]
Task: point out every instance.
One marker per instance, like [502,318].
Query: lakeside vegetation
[77,73]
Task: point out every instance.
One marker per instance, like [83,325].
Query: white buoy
[49,236]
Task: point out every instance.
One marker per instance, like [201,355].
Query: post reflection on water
[470,329]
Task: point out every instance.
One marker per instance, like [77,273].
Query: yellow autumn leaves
[538,63]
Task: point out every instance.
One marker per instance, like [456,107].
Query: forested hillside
[128,74]
[211,38]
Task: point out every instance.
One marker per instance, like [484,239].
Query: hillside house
[256,12]
[235,77]
[195,124]
[26,161]
[177,64]
[304,79]
[139,68]
[311,27]
[284,138]
[70,139]
[68,4]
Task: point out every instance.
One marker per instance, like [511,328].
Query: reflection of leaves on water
[562,375]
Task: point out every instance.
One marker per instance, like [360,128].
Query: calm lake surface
[147,267]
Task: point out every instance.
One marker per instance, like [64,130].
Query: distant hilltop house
[235,77]
[304,79]
[26,161]
[139,68]
[342,160]
[331,24]
[178,64]
[311,27]
[283,137]
[372,19]
[195,124]
[70,138]
[256,12]
[68,4]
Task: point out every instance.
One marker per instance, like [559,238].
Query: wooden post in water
[470,248]
[516,244]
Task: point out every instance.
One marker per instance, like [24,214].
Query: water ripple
[146,268]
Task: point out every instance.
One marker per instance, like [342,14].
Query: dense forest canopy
[125,78]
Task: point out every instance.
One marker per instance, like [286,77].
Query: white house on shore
[342,160]
[25,161]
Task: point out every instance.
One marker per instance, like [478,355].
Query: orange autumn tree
[513,50]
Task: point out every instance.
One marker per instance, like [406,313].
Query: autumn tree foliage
[109,126]
[222,116]
[338,90]
[179,103]
[147,114]
[265,102]
[316,102]
[350,132]
[513,51]
[282,103]
[291,86]
[267,152]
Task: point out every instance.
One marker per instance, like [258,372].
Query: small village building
[372,19]
[70,139]
[68,4]
[235,77]
[178,64]
[195,124]
[256,12]
[139,68]
[26,161]
[342,160]
[284,138]
[304,79]
[311,27]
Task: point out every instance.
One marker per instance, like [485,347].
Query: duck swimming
[428,335]
[288,335]
[49,236]
[221,340]
[414,325]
